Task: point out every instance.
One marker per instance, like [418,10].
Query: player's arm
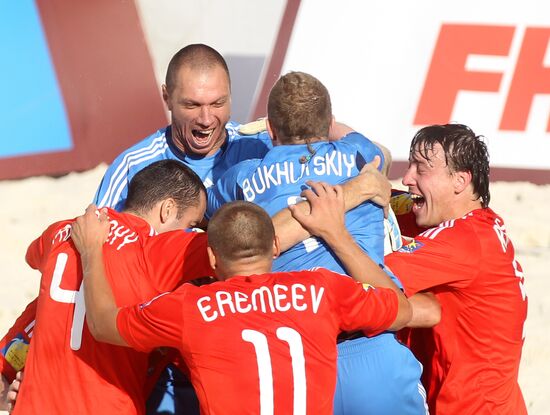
[339,130]
[89,232]
[370,184]
[426,310]
[326,220]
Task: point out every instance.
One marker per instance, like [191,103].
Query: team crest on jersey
[411,247]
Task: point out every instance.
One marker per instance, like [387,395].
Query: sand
[29,205]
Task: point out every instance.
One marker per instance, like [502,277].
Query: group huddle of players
[280,332]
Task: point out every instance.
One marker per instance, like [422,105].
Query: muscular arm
[326,220]
[370,184]
[89,233]
[426,310]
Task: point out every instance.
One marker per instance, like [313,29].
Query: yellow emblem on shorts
[16,353]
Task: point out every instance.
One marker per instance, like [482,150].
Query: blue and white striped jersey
[113,189]
[277,180]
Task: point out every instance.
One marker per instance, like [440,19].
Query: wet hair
[196,56]
[162,180]
[464,151]
[241,230]
[299,108]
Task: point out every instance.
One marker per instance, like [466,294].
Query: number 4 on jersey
[62,295]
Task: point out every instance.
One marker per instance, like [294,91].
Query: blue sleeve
[113,189]
[225,190]
[366,148]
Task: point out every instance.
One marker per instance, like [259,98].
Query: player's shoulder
[326,276]
[177,239]
[357,139]
[240,170]
[153,143]
[235,135]
[462,231]
[127,229]
[58,232]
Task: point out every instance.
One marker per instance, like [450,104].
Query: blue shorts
[378,376]
[172,394]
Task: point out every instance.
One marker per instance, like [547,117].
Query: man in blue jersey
[197,93]
[376,375]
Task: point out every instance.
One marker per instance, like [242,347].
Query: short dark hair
[240,230]
[196,56]
[464,151]
[299,107]
[162,180]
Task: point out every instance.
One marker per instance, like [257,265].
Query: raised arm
[326,220]
[89,232]
[370,184]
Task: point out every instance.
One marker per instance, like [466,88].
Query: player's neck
[244,268]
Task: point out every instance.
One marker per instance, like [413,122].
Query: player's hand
[253,127]
[376,184]
[326,218]
[91,230]
[13,390]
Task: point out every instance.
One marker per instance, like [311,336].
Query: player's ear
[462,180]
[168,209]
[276,247]
[270,131]
[211,257]
[166,96]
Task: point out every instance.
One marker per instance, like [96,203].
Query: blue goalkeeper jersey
[277,180]
[113,190]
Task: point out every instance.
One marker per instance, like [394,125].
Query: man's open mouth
[203,136]
[418,201]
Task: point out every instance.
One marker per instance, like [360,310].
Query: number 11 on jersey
[265,373]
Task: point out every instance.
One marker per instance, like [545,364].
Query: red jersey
[96,377]
[263,343]
[471,358]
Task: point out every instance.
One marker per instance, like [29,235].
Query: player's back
[67,371]
[276,181]
[267,343]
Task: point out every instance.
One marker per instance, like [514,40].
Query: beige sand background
[29,205]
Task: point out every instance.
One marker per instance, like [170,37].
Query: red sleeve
[176,257]
[39,248]
[361,306]
[447,255]
[34,253]
[156,323]
[15,344]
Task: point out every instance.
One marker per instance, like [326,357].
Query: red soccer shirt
[471,358]
[67,371]
[261,343]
